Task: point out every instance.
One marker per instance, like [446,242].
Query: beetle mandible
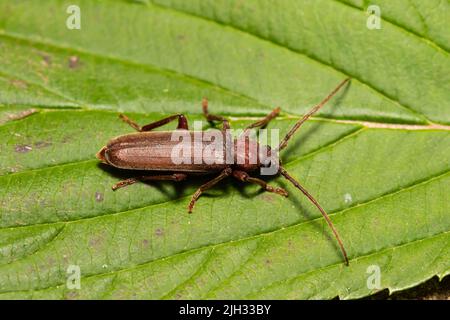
[151,151]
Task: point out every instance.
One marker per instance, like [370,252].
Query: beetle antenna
[284,142]
[324,214]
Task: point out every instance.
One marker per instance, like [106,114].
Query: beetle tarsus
[123,183]
[132,124]
[279,191]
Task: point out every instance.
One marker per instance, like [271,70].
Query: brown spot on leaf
[96,242]
[22,148]
[42,144]
[98,196]
[74,62]
[20,84]
[178,296]
[43,77]
[290,244]
[159,232]
[66,139]
[46,59]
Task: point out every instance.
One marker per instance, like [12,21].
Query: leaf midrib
[287,165]
[191,78]
[76,163]
[216,245]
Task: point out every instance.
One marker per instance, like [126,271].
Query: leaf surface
[377,157]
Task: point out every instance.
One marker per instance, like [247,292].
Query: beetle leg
[225,173]
[124,183]
[171,177]
[133,124]
[225,125]
[182,122]
[213,117]
[165,177]
[264,121]
[243,176]
[208,116]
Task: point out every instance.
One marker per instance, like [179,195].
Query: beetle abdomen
[154,150]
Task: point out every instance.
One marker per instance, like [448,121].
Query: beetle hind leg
[124,183]
[225,173]
[165,177]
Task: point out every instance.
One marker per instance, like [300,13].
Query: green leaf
[377,157]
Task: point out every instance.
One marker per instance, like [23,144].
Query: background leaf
[377,157]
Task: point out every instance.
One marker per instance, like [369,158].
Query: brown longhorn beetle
[152,151]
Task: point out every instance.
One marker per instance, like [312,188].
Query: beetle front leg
[212,117]
[244,177]
[182,122]
[166,177]
[264,121]
[208,116]
[225,173]
[132,124]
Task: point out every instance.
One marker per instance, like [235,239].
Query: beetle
[151,151]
